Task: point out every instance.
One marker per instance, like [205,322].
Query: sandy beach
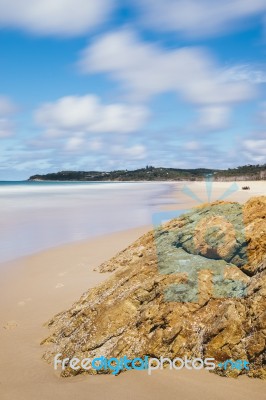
[35,287]
[193,194]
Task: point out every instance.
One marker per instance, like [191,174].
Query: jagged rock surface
[140,310]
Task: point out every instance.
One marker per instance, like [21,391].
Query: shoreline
[20,260]
[53,215]
[172,198]
[228,179]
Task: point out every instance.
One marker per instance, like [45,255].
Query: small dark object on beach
[245,188]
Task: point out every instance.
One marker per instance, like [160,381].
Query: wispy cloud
[86,114]
[262,114]
[54,17]
[199,18]
[136,152]
[7,109]
[145,69]
[254,148]
[245,72]
[213,118]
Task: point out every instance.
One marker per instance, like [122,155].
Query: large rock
[195,287]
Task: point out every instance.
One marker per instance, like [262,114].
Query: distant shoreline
[154,174]
[231,179]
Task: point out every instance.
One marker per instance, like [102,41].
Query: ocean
[38,215]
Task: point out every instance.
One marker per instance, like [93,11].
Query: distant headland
[150,173]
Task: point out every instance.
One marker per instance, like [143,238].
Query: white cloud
[79,143]
[7,108]
[75,114]
[54,17]
[194,18]
[213,118]
[259,146]
[95,145]
[146,69]
[254,149]
[34,165]
[192,145]
[262,113]
[74,143]
[136,152]
[245,72]
[6,128]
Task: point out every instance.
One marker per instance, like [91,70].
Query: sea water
[38,215]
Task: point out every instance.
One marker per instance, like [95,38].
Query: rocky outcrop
[194,287]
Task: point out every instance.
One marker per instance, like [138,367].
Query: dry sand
[218,190]
[34,288]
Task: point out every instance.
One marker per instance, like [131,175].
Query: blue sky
[112,84]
